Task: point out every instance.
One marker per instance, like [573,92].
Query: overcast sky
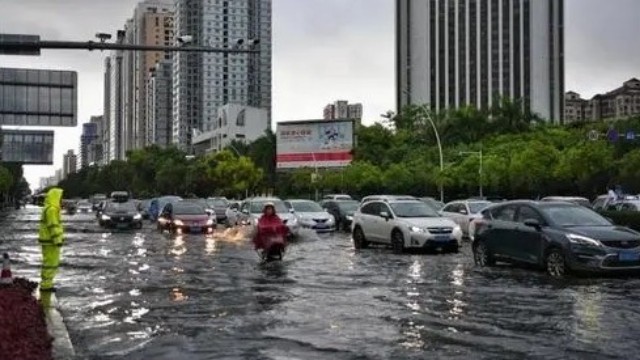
[323,50]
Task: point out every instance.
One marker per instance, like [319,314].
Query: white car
[404,223]
[232,214]
[464,212]
[312,216]
[251,211]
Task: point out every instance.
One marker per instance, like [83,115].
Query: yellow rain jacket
[50,231]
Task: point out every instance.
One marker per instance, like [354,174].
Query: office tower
[450,53]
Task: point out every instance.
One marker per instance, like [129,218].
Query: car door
[370,219]
[501,230]
[384,225]
[452,211]
[528,242]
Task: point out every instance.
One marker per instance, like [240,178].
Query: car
[337,197]
[342,211]
[143,207]
[435,204]
[158,204]
[404,223]
[120,196]
[464,211]
[572,199]
[120,215]
[312,216]
[96,200]
[204,203]
[84,207]
[386,198]
[232,213]
[559,237]
[186,217]
[251,211]
[219,206]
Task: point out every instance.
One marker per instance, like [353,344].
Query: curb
[62,347]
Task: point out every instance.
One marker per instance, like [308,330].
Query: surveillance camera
[185,39]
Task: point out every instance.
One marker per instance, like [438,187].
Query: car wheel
[397,242]
[555,263]
[481,255]
[359,241]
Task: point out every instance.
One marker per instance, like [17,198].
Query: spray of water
[234,234]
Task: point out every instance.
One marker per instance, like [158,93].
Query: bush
[630,219]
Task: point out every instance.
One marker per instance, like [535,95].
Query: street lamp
[479,153]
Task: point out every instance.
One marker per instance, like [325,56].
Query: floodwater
[145,295]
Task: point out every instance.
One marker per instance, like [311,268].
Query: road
[143,295]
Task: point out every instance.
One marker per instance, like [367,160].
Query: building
[467,52]
[341,109]
[233,122]
[574,108]
[115,104]
[204,82]
[89,135]
[95,149]
[57,177]
[69,164]
[159,101]
[621,103]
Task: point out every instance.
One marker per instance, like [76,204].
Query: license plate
[122,226]
[195,229]
[628,256]
[442,239]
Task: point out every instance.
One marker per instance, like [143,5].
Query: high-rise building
[89,135]
[451,53]
[69,164]
[115,104]
[159,101]
[95,150]
[203,82]
[341,109]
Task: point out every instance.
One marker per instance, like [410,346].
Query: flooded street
[145,295]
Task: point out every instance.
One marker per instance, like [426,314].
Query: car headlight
[178,222]
[331,220]
[349,217]
[418,230]
[583,240]
[457,232]
[137,217]
[105,217]
[209,222]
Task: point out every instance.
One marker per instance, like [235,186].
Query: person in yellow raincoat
[50,236]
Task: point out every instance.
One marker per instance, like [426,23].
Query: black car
[342,211]
[559,237]
[220,206]
[120,215]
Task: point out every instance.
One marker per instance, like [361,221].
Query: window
[371,209]
[504,213]
[528,213]
[452,208]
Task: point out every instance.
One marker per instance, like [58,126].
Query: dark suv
[559,237]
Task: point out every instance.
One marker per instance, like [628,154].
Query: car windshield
[258,206]
[218,203]
[568,216]
[306,206]
[476,207]
[124,206]
[188,209]
[434,204]
[348,206]
[413,210]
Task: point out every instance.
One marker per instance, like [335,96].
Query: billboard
[314,144]
[30,97]
[33,147]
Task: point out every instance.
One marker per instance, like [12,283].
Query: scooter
[273,243]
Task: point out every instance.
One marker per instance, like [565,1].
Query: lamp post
[480,156]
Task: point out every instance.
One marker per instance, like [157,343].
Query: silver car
[312,216]
[251,211]
[464,212]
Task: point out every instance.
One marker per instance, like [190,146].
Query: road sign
[613,135]
[33,147]
[20,44]
[31,97]
[593,135]
[631,135]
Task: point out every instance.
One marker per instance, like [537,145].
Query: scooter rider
[271,233]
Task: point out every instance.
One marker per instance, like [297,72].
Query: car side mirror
[463,211]
[292,211]
[385,215]
[245,211]
[533,223]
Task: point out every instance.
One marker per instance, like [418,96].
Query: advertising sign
[33,147]
[30,97]
[314,144]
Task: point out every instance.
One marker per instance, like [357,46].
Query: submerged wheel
[481,255]
[555,264]
[397,242]
[359,241]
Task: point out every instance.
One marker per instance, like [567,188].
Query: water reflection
[178,249]
[210,245]
[588,314]
[457,281]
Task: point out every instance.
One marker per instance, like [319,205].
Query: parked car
[572,199]
[626,205]
[463,212]
[96,200]
[435,204]
[404,223]
[251,211]
[342,211]
[120,215]
[337,197]
[219,205]
[232,213]
[386,197]
[186,217]
[84,207]
[312,216]
[559,237]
